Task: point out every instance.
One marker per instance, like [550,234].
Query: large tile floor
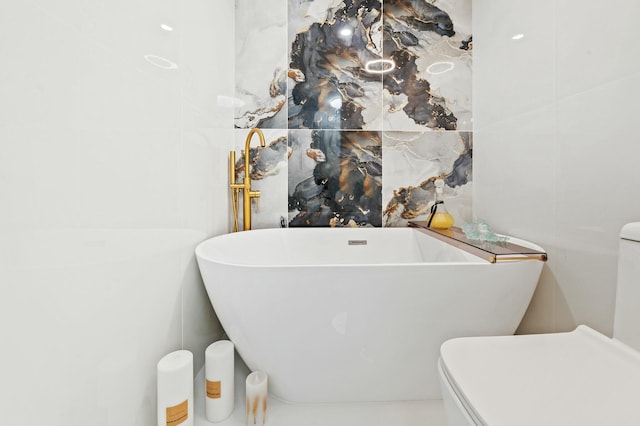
[413,413]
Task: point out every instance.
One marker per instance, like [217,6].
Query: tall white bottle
[175,389]
[219,372]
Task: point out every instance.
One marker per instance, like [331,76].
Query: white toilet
[569,379]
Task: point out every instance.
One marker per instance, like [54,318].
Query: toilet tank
[626,326]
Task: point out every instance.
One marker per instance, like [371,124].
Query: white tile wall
[555,147]
[112,168]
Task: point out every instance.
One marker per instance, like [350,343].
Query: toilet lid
[576,378]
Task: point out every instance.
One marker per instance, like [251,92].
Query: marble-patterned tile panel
[335,178]
[261,64]
[268,175]
[430,44]
[331,43]
[413,161]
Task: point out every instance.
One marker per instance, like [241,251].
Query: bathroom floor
[412,413]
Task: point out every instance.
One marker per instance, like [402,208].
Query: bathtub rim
[201,254]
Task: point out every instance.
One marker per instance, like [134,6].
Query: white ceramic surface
[627,315]
[402,413]
[554,136]
[580,377]
[108,179]
[586,59]
[333,322]
[556,379]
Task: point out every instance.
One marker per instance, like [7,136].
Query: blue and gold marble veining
[335,178]
[413,161]
[430,86]
[329,86]
[318,82]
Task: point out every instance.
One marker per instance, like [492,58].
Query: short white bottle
[219,377]
[257,391]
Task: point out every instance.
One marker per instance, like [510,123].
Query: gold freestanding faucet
[245,186]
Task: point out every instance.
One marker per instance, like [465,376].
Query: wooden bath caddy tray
[490,251]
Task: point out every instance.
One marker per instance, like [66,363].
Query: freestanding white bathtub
[345,315]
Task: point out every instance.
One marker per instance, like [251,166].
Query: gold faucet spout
[247,193]
[247,149]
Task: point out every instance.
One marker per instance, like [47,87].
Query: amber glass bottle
[439,217]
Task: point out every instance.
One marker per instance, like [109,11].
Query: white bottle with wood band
[219,372]
[175,389]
